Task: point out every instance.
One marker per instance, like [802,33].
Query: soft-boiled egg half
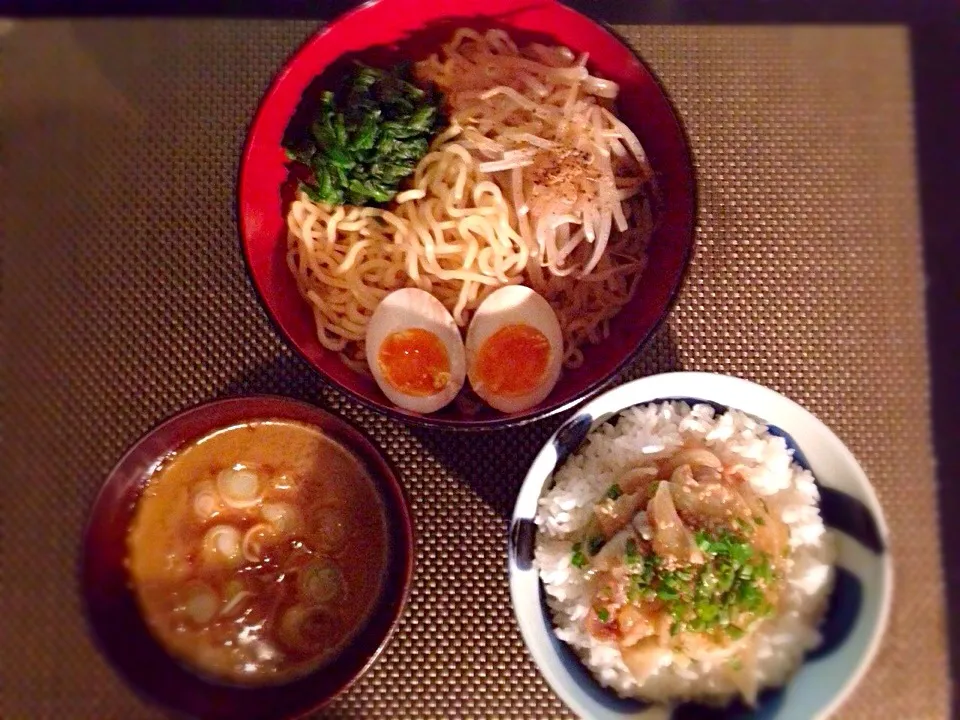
[415,351]
[514,349]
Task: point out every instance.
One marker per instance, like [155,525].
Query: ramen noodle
[535,181]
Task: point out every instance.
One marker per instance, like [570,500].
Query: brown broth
[308,579]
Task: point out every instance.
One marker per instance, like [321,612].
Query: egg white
[515,305]
[408,309]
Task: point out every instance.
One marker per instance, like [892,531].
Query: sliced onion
[201,603]
[331,530]
[176,565]
[320,582]
[239,487]
[644,658]
[206,500]
[232,588]
[234,602]
[283,516]
[307,627]
[290,624]
[681,476]
[256,539]
[283,482]
[235,593]
[693,457]
[222,544]
[671,538]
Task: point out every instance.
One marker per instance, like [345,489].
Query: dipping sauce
[258,551]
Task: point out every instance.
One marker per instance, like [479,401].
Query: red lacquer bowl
[119,629]
[385,31]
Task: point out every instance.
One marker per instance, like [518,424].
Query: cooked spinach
[367,137]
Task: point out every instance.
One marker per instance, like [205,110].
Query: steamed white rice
[790,494]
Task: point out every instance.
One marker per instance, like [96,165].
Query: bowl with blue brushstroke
[859,602]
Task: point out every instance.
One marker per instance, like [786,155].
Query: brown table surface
[126,286]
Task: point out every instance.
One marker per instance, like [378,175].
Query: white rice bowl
[790,493]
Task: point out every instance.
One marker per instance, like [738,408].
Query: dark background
[935,49]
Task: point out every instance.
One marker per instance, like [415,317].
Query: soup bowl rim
[111,514]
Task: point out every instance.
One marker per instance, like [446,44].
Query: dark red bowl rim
[466,424]
[105,606]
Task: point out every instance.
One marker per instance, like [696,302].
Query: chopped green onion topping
[667,593]
[702,541]
[614,491]
[734,632]
[603,615]
[725,593]
[578,559]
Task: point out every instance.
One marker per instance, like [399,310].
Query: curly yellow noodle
[535,181]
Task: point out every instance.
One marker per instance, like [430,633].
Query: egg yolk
[512,361]
[414,362]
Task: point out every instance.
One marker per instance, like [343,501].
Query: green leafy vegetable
[578,559]
[367,137]
[614,492]
[603,615]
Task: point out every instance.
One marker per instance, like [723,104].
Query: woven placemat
[126,298]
